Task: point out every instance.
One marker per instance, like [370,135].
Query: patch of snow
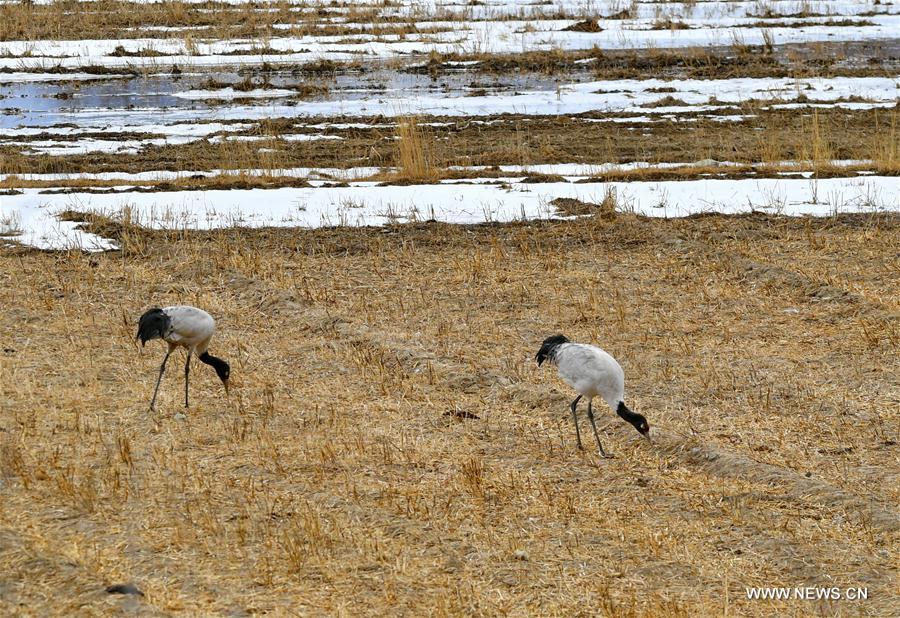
[288,138]
[22,77]
[309,138]
[231,93]
[85,146]
[331,173]
[367,204]
[574,170]
[197,129]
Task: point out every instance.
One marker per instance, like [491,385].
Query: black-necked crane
[187,327]
[592,372]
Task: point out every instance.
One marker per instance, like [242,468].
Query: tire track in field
[691,452]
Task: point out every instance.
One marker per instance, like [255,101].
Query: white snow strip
[180,129]
[231,93]
[22,77]
[575,170]
[489,26]
[34,214]
[309,138]
[288,138]
[328,173]
[89,145]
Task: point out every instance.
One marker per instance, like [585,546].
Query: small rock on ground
[124,589]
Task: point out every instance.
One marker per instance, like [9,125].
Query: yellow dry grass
[341,479]
[415,151]
[884,144]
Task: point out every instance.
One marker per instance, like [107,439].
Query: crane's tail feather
[154,324]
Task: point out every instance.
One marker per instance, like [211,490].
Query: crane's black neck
[223,369]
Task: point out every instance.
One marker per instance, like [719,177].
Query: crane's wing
[190,326]
[591,371]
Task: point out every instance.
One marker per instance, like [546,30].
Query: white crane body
[592,372]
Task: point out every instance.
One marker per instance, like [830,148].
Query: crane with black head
[592,372]
[186,327]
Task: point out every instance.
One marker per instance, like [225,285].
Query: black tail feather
[154,324]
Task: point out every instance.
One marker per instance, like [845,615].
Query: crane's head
[642,426]
[548,348]
[638,421]
[223,370]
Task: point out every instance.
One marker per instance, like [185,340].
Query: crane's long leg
[594,425]
[187,370]
[575,418]
[162,368]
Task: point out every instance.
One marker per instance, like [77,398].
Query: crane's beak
[225,384]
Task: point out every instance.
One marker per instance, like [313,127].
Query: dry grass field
[390,447]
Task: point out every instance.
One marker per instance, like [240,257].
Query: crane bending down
[187,327]
[591,372]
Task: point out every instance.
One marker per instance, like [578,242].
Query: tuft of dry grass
[669,24]
[763,350]
[884,144]
[415,159]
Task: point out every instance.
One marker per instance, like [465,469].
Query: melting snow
[33,214]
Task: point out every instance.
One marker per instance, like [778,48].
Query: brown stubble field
[343,477]
[769,137]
